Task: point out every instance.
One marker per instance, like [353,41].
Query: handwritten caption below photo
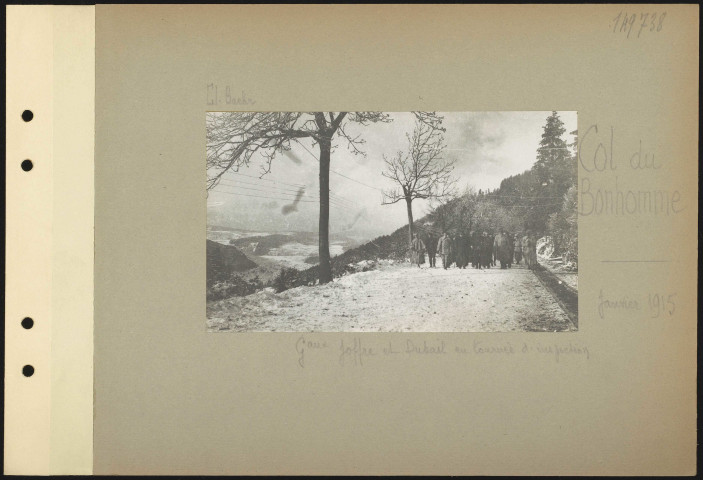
[357,351]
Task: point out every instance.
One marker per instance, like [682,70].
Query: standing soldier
[491,256]
[472,242]
[501,248]
[476,250]
[431,245]
[457,250]
[461,254]
[444,249]
[452,251]
[526,249]
[511,248]
[418,250]
[492,239]
[486,250]
[518,249]
[467,250]
[532,245]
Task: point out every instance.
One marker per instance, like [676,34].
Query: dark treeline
[541,200]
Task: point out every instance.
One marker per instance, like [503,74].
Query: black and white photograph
[392,221]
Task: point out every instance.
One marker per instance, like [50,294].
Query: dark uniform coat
[511,248]
[501,247]
[431,245]
[476,250]
[462,251]
[486,251]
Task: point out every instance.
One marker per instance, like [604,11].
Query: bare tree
[234,137]
[422,172]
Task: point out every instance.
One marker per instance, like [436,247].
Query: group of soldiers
[481,250]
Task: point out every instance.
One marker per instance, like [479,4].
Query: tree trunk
[408,202]
[325,268]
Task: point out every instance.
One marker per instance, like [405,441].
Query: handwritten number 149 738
[645,22]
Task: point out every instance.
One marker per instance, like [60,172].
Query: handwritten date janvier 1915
[660,305]
[646,22]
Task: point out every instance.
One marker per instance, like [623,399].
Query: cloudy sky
[487,147]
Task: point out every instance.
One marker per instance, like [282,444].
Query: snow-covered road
[400,298]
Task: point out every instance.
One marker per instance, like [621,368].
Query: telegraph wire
[381,190]
[266,179]
[239,183]
[333,171]
[261,196]
[317,201]
[292,196]
[341,201]
[232,183]
[517,196]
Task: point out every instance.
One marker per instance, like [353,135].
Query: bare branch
[391,196]
[352,143]
[234,138]
[422,173]
[430,119]
[336,122]
[365,118]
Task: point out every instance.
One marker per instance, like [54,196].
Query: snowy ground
[400,298]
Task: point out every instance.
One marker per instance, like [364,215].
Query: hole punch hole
[27,115]
[28,370]
[27,165]
[27,323]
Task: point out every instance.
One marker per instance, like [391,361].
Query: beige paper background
[28,279]
[171,398]
[73,241]
[49,249]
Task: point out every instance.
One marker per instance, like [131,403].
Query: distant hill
[262,244]
[222,260]
[393,246]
